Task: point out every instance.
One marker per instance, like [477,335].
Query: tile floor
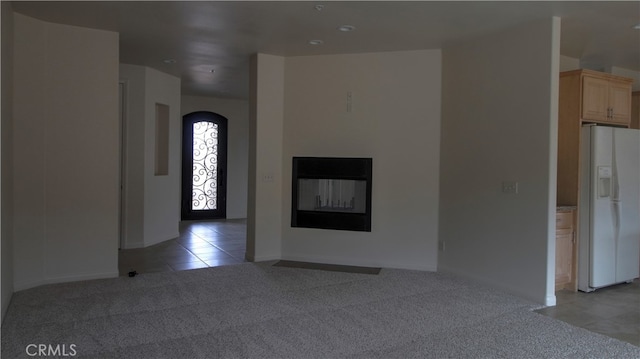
[201,244]
[613,311]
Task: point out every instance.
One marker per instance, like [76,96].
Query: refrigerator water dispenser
[604,181]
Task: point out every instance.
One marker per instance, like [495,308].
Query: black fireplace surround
[331,193]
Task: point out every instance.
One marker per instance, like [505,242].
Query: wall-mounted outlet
[510,187]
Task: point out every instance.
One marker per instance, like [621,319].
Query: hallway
[201,244]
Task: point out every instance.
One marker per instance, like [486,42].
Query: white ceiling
[222,35]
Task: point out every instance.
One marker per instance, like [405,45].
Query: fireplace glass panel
[332,195]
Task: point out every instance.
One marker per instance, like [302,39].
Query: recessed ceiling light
[169,61]
[637,27]
[319,7]
[347,28]
[316,42]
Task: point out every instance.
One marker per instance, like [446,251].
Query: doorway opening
[204,166]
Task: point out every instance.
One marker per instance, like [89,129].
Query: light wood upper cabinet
[606,100]
[603,98]
[595,99]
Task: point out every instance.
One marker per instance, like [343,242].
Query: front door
[204,166]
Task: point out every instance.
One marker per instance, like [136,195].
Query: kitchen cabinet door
[606,100]
[565,250]
[595,99]
[564,257]
[619,103]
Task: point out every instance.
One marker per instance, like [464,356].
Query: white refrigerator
[609,207]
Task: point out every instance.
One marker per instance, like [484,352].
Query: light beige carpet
[262,311]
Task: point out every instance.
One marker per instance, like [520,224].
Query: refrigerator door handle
[615,191]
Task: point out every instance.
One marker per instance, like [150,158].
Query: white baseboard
[550,301]
[18,286]
[64,279]
[155,240]
[132,245]
[162,238]
[262,258]
[547,300]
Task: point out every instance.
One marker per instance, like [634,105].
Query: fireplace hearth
[331,193]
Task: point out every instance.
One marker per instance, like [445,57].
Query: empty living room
[299,179]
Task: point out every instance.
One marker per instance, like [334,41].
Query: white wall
[6,150]
[395,119]
[65,153]
[266,120]
[569,63]
[162,193]
[499,123]
[134,79]
[152,208]
[237,112]
[635,75]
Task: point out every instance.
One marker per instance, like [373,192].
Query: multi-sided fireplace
[331,193]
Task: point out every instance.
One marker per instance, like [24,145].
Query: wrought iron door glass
[205,166]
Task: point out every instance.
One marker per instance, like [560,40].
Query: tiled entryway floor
[201,244]
[613,311]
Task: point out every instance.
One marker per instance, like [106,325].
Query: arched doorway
[204,166]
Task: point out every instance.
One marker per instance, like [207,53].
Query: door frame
[186,213]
